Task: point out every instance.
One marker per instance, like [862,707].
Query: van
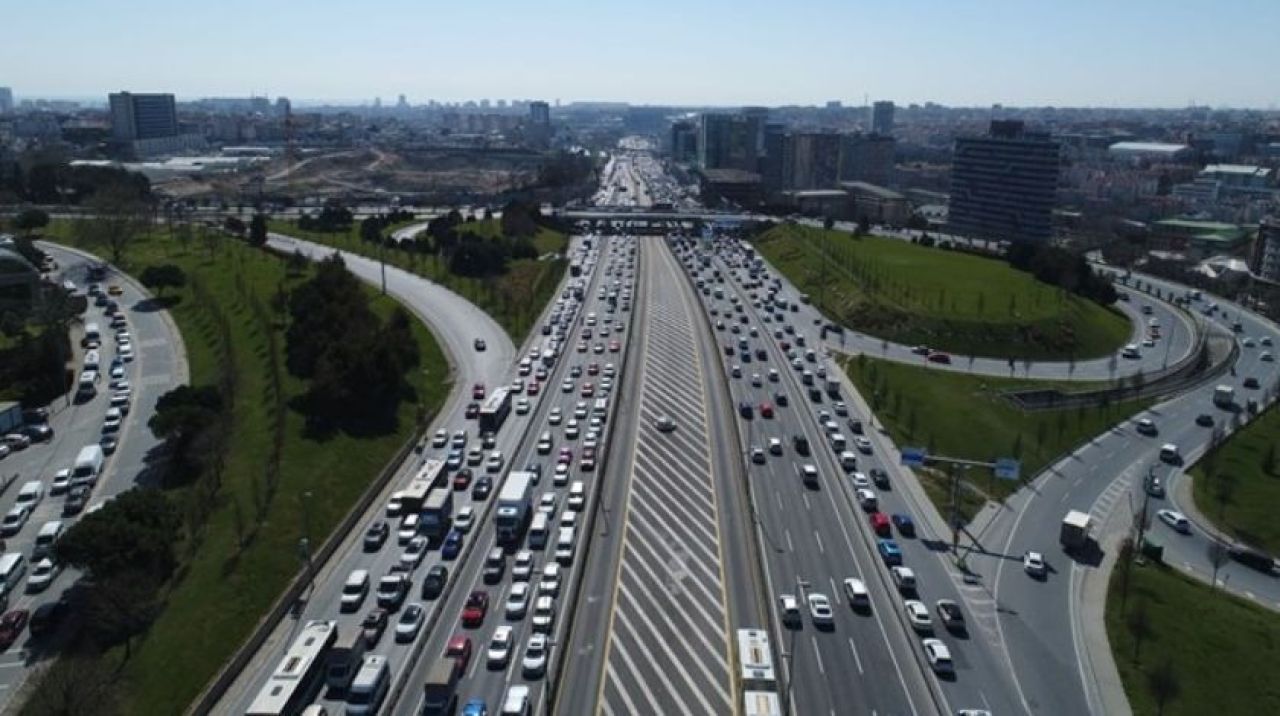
[12,566]
[91,334]
[48,534]
[31,493]
[369,689]
[516,701]
[838,443]
[848,460]
[538,531]
[88,466]
[564,545]
[354,589]
[577,496]
[87,385]
[601,409]
[92,360]
[345,658]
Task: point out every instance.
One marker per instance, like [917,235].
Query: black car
[745,409]
[375,622]
[801,444]
[77,498]
[815,394]
[780,398]
[1204,420]
[880,478]
[46,617]
[855,426]
[481,488]
[1253,559]
[38,432]
[433,584]
[108,443]
[480,344]
[536,469]
[376,535]
[1249,382]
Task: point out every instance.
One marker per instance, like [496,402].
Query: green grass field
[951,301]
[965,416]
[514,299]
[223,590]
[1238,484]
[1220,650]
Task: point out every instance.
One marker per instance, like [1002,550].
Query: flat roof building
[1151,151]
[1004,185]
[142,116]
[1264,259]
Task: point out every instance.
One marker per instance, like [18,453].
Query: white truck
[511,517]
[1075,530]
[1224,396]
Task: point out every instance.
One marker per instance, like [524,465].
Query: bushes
[1064,269]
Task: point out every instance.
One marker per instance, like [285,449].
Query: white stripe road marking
[856,659]
[626,697]
[664,615]
[817,653]
[818,537]
[672,665]
[618,648]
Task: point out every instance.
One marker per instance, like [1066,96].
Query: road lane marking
[856,659]
[817,654]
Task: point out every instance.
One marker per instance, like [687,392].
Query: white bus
[755,659]
[296,680]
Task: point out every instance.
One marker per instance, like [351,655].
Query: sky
[1115,53]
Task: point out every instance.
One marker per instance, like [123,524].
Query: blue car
[452,545]
[475,707]
[455,460]
[905,526]
[889,552]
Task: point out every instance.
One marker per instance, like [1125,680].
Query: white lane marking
[856,659]
[817,653]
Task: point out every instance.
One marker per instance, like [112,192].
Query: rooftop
[876,190]
[1240,169]
[1149,147]
[1206,226]
[817,193]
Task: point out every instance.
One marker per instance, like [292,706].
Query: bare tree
[1218,556]
[1165,685]
[1139,623]
[74,685]
[117,216]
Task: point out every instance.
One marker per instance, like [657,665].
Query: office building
[684,141]
[1004,185]
[142,116]
[775,135]
[867,158]
[810,160]
[6,100]
[1264,260]
[728,141]
[1150,151]
[540,114]
[882,118]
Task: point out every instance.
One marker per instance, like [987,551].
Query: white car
[517,601]
[756,381]
[550,582]
[939,656]
[465,519]
[440,439]
[860,481]
[112,422]
[855,590]
[790,608]
[1176,520]
[918,615]
[14,519]
[494,463]
[820,609]
[499,651]
[534,663]
[775,446]
[904,578]
[544,614]
[61,482]
[42,575]
[867,499]
[522,567]
[547,503]
[863,444]
[1033,563]
[414,552]
[571,429]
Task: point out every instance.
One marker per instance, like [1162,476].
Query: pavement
[159,365]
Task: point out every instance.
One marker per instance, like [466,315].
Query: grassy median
[1183,648]
[236,564]
[1238,483]
[952,301]
[966,416]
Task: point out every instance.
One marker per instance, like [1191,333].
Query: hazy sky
[957,52]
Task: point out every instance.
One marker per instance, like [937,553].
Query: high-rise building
[882,117]
[757,118]
[142,116]
[867,158]
[810,160]
[1004,185]
[684,141]
[728,141]
[1264,260]
[775,137]
[540,113]
[6,100]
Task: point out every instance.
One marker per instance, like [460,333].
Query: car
[392,590]
[950,615]
[522,406]
[555,416]
[906,527]
[517,603]
[534,662]
[757,454]
[433,584]
[1251,382]
[939,656]
[1253,559]
[1204,420]
[1266,356]
[1169,453]
[47,617]
[544,613]
[11,625]
[414,552]
[375,622]
[1034,564]
[939,357]
[477,391]
[880,524]
[111,423]
[522,566]
[494,462]
[479,344]
[475,608]
[664,424]
[855,590]
[775,446]
[459,649]
[860,480]
[790,609]
[820,609]
[452,544]
[746,410]
[410,622]
[766,410]
[1146,426]
[465,519]
[918,615]
[1175,520]
[42,575]
[376,535]
[38,432]
[1154,486]
[889,551]
[863,444]
[867,499]
[77,498]
[440,439]
[473,411]
[550,581]
[499,651]
[61,482]
[780,399]
[462,478]
[14,519]
[904,578]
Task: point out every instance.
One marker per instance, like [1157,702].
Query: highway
[159,365]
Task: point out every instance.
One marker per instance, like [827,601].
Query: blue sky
[729,52]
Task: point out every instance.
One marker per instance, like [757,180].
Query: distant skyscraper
[729,141]
[6,100]
[882,118]
[540,113]
[775,137]
[867,157]
[684,141]
[1004,185]
[1264,261]
[142,116]
[810,160]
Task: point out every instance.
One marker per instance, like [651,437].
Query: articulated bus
[757,675]
[495,410]
[297,679]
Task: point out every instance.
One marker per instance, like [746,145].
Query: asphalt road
[159,366]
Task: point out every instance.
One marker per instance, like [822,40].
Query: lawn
[514,299]
[956,302]
[965,416]
[223,590]
[1238,483]
[1220,650]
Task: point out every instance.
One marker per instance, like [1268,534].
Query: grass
[1238,483]
[965,416]
[514,299]
[1221,649]
[223,590]
[956,302]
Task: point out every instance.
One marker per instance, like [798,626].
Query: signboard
[1006,468]
[913,456]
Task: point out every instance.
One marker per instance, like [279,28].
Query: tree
[28,220]
[258,230]
[1269,459]
[1219,555]
[864,227]
[234,225]
[1139,624]
[828,223]
[163,276]
[132,535]
[75,685]
[122,607]
[1165,684]
[117,216]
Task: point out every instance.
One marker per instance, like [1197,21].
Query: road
[159,366]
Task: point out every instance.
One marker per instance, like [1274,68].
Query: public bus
[756,674]
[495,410]
[300,674]
[428,477]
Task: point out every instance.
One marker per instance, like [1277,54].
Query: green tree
[133,535]
[28,220]
[258,230]
[1165,684]
[162,276]
[117,216]
[74,685]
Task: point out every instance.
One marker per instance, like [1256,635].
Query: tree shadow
[155,304]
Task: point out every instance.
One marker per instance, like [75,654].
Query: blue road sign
[913,456]
[1007,468]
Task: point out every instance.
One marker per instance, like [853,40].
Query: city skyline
[1091,54]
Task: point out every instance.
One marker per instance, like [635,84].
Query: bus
[296,680]
[495,410]
[755,659]
[430,476]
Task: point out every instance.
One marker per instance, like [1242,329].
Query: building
[817,202]
[540,114]
[19,281]
[1264,259]
[775,136]
[728,141]
[867,158]
[6,100]
[734,186]
[1150,151]
[882,118]
[876,204]
[1196,238]
[810,160]
[142,116]
[684,142]
[1242,179]
[1004,185]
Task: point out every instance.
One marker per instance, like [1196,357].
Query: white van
[538,531]
[838,443]
[12,566]
[354,589]
[601,409]
[92,360]
[346,656]
[31,493]
[48,534]
[91,334]
[87,386]
[369,689]
[564,545]
[577,496]
[848,460]
[88,466]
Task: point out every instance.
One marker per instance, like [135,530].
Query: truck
[1224,396]
[437,513]
[1075,530]
[511,517]
[439,691]
[833,388]
[10,417]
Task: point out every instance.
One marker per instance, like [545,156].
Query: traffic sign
[1007,468]
[913,456]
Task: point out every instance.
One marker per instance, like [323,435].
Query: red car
[477,391]
[462,479]
[588,459]
[593,368]
[766,410]
[476,607]
[532,389]
[880,523]
[588,390]
[473,411]
[460,649]
[11,625]
[939,357]
[566,456]
[614,346]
